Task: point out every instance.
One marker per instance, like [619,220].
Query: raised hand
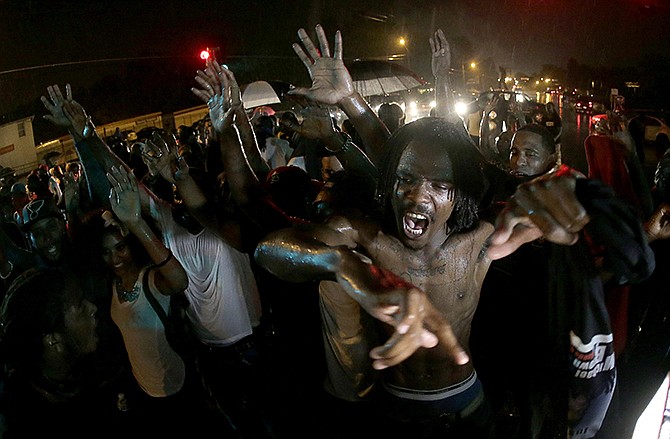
[317,124]
[66,112]
[70,192]
[331,81]
[546,206]
[491,105]
[441,60]
[124,196]
[162,157]
[220,92]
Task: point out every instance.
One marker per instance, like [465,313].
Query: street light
[473,65]
[405,43]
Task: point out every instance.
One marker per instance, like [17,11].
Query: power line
[72,63]
[93,61]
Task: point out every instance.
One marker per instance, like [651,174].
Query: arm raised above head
[124,198]
[441,66]
[332,85]
[96,156]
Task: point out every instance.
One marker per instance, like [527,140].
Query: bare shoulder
[471,244]
[359,228]
[476,236]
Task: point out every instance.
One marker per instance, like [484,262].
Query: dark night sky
[521,35]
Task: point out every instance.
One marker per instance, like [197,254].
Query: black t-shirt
[553,124]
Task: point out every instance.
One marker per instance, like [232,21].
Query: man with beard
[508,304]
[426,246]
[418,264]
[533,151]
[525,297]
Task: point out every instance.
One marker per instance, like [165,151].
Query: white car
[655,127]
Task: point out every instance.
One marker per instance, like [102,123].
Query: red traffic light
[204,55]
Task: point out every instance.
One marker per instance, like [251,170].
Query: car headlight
[461,108]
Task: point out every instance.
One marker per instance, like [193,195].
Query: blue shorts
[460,410]
[458,400]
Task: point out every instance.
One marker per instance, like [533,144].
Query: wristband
[11,268]
[89,128]
[345,146]
[165,261]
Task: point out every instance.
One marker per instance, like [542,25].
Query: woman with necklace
[132,251]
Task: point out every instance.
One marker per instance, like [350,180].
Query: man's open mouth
[415,224]
[52,251]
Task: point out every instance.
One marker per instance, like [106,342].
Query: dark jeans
[235,380]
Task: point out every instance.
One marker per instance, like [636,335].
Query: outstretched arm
[322,252]
[332,85]
[125,201]
[229,120]
[174,169]
[546,206]
[488,131]
[220,91]
[562,203]
[95,155]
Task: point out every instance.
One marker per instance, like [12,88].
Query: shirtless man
[426,255]
[429,253]
[435,243]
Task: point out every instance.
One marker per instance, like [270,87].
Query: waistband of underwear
[431,395]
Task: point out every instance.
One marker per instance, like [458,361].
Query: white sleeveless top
[158,369]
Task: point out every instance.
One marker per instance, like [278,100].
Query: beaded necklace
[127,295]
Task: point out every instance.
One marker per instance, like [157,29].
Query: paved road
[575,130]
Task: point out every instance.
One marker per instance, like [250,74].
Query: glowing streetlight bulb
[402,41]
[473,65]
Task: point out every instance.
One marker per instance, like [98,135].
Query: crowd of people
[273,276]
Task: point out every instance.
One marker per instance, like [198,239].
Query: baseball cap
[18,189]
[37,210]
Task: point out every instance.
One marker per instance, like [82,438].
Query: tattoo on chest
[427,271]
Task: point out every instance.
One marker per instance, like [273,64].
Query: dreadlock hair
[450,138]
[33,307]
